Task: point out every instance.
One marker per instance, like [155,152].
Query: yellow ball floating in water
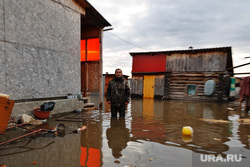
[187,130]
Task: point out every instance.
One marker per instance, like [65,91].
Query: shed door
[107,80]
[148,86]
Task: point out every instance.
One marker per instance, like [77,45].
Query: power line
[127,41]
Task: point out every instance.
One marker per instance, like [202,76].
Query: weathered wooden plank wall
[201,62]
[177,86]
[159,85]
[137,86]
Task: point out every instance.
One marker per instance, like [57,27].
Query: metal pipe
[26,128]
[242,73]
[237,66]
[18,125]
[22,136]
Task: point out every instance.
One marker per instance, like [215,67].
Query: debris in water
[78,110]
[117,162]
[34,162]
[245,121]
[231,109]
[60,127]
[187,130]
[151,159]
[90,108]
[129,165]
[6,96]
[80,129]
[215,121]
[29,119]
[217,139]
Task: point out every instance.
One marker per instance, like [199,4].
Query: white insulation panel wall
[39,48]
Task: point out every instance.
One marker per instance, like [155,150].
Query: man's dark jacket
[118,91]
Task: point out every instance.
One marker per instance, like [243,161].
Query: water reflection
[147,121]
[152,129]
[162,122]
[117,136]
[244,136]
[152,123]
[91,141]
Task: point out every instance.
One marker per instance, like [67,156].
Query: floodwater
[149,135]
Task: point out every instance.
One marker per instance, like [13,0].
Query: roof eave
[90,9]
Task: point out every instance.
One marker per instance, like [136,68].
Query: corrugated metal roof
[226,49]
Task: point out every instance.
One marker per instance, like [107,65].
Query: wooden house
[193,74]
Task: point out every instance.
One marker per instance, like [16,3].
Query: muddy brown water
[149,135]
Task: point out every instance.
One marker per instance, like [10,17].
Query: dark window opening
[191,89]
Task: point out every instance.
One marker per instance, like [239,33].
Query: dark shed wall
[90,77]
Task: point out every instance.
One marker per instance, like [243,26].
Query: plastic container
[41,114]
[187,130]
[6,106]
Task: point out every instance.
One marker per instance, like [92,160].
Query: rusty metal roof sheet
[225,49]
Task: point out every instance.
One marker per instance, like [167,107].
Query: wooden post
[100,68]
[166,86]
[247,108]
[220,88]
[86,68]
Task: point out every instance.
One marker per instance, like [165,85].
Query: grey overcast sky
[157,25]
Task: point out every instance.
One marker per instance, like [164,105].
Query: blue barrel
[209,87]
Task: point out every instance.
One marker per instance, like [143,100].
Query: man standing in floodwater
[118,94]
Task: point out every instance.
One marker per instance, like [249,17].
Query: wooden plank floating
[76,117]
[215,121]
